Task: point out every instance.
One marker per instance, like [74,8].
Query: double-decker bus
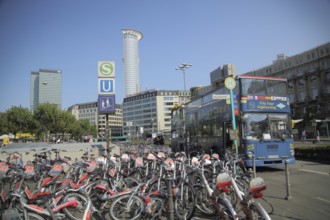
[262,117]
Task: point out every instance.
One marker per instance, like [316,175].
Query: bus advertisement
[263,119]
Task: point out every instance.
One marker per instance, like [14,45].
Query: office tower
[46,87]
[149,112]
[131,61]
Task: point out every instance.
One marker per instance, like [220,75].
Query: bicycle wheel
[75,212]
[32,216]
[266,205]
[184,202]
[155,210]
[126,207]
[256,212]
[203,203]
[225,209]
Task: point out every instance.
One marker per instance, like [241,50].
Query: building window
[314,93]
[327,77]
[302,95]
[291,98]
[327,89]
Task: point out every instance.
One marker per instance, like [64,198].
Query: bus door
[229,137]
[227,143]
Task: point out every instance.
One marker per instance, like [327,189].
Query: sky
[73,35]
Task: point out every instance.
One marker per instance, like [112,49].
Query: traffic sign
[220,96]
[230,83]
[106,104]
[106,86]
[106,69]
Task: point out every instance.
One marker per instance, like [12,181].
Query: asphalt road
[309,186]
[310,195]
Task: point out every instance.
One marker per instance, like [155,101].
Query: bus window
[280,126]
[254,126]
[259,126]
[277,88]
[253,87]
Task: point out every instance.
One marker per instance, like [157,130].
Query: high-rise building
[131,61]
[46,87]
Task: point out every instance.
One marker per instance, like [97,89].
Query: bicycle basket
[257,185]
[206,159]
[91,166]
[223,180]
[194,161]
[151,157]
[56,170]
[124,158]
[16,160]
[169,164]
[215,156]
[29,170]
[3,169]
[113,159]
[101,160]
[112,172]
[138,162]
[161,155]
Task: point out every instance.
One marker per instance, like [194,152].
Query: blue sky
[73,35]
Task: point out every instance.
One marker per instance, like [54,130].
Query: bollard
[170,214]
[287,180]
[254,166]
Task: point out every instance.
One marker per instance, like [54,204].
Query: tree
[65,122]
[3,123]
[45,115]
[18,120]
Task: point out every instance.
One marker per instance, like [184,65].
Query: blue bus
[263,119]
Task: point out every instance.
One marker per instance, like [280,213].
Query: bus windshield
[264,87]
[260,126]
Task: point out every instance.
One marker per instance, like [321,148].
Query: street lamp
[183,67]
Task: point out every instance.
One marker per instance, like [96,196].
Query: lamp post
[183,67]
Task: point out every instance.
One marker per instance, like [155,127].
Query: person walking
[317,134]
[303,136]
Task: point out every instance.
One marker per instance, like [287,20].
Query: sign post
[106,94]
[230,84]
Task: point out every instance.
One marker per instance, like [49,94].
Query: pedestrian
[303,136]
[317,134]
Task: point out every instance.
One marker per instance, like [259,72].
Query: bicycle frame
[247,201]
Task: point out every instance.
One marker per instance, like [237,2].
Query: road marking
[312,171]
[323,200]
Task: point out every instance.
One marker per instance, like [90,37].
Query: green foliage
[47,119]
[16,120]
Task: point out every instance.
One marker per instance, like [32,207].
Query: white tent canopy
[297,120]
[7,136]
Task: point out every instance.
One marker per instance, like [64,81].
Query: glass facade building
[46,87]
[149,112]
[131,61]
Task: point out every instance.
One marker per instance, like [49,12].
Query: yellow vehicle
[5,141]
